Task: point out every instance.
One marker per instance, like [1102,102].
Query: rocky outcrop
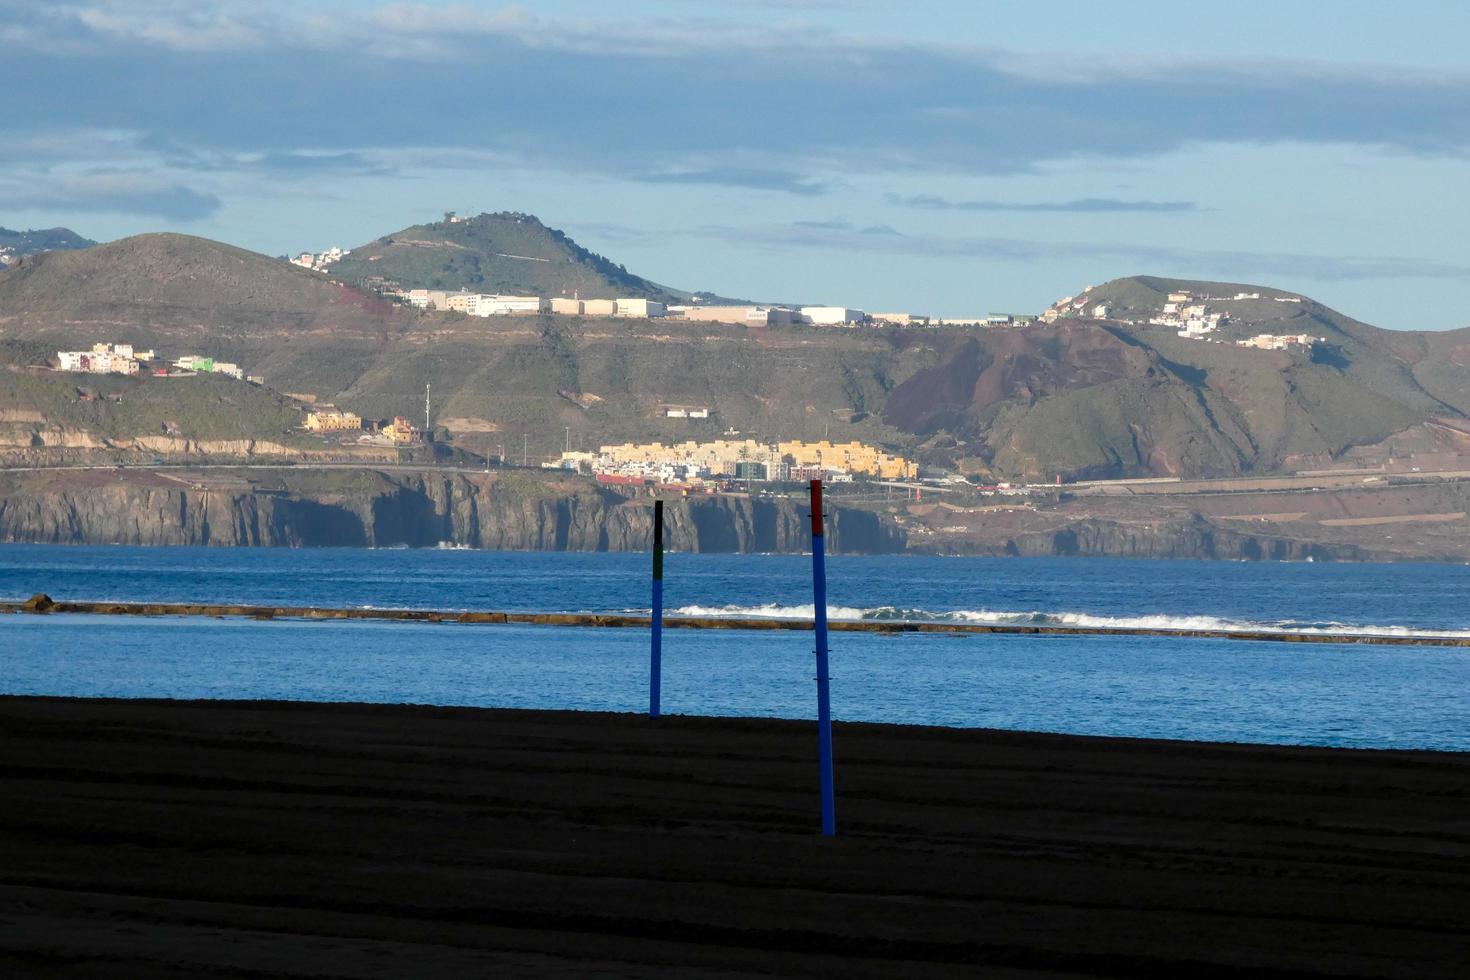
[418,511]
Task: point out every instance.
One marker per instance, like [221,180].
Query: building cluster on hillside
[104,358]
[110,358]
[747,459]
[1267,341]
[1186,313]
[202,364]
[318,261]
[398,431]
[1074,306]
[1188,316]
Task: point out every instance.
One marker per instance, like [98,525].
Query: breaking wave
[1080,620]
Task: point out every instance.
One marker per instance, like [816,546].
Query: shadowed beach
[270,839]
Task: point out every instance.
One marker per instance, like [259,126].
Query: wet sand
[186,839]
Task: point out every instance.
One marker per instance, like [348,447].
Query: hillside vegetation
[494,253]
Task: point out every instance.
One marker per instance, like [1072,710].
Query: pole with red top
[824,693]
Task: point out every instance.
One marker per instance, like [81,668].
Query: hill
[165,287]
[504,252]
[1124,396]
[19,244]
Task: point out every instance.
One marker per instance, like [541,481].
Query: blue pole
[656,637]
[824,693]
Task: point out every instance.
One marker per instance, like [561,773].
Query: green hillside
[504,252]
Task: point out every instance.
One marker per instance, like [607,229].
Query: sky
[947,158]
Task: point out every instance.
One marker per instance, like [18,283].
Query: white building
[831,316]
[121,350]
[1102,311]
[101,359]
[641,308]
[477,304]
[319,262]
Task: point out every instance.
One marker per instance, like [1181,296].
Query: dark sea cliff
[419,510]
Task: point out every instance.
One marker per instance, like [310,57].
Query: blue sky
[945,158]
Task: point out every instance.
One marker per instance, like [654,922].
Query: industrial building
[566,307]
[757,316]
[641,308]
[832,316]
[483,305]
[428,299]
[900,319]
[599,307]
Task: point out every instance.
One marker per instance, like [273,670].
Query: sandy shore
[187,839]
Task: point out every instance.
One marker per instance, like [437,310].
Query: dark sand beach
[187,839]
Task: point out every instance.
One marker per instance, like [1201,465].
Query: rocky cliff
[422,510]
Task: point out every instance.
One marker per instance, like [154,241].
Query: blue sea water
[1326,694]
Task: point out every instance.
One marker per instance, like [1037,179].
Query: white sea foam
[1081,620]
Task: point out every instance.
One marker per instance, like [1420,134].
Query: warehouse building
[831,316]
[640,308]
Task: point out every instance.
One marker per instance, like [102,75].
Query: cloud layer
[676,100]
[841,237]
[1086,205]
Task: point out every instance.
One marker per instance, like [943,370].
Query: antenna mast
[426,408]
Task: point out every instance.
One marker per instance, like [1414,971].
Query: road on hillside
[1321,482]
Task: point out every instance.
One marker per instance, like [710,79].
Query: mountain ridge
[1079,398]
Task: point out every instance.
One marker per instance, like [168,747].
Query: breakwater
[42,604]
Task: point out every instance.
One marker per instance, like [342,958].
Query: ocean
[1320,694]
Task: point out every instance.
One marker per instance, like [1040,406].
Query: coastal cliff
[362,509]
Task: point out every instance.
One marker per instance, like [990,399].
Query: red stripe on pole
[817,508]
